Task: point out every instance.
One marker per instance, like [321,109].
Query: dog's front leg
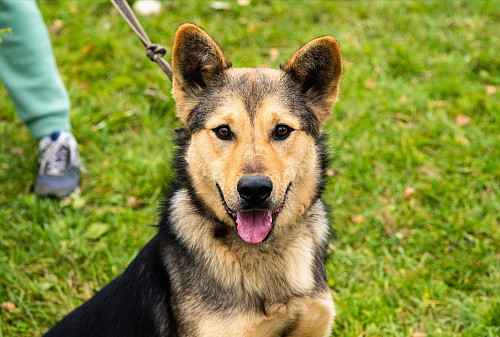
[316,317]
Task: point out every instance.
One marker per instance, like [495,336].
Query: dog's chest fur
[266,290]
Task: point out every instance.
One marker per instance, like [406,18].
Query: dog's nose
[255,189]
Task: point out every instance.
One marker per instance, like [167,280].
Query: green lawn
[415,177]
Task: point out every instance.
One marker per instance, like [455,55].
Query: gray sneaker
[59,173]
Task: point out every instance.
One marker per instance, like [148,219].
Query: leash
[154,51]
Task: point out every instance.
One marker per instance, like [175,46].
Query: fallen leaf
[54,31]
[244,2]
[358,218]
[331,173]
[441,104]
[273,54]
[419,334]
[428,171]
[147,7]
[85,86]
[421,326]
[398,116]
[132,201]
[462,120]
[9,306]
[56,27]
[371,83]
[490,90]
[220,5]
[16,151]
[87,49]
[409,192]
[251,27]
[59,23]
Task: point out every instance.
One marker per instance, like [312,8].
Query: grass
[414,186]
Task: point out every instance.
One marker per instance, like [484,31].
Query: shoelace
[55,156]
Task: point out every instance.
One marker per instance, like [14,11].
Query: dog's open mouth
[254,226]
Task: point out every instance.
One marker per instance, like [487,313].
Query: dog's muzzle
[254,222]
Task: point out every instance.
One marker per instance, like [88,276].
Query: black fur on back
[136,303]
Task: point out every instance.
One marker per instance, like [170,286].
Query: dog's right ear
[317,68]
[196,60]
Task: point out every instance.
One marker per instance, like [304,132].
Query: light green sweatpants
[28,69]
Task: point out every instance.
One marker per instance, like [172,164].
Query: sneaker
[59,173]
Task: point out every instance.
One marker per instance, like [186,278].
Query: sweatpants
[28,69]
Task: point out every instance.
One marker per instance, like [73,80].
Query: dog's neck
[277,269]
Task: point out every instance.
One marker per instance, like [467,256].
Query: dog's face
[252,157]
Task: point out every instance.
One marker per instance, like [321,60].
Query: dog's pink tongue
[253,226]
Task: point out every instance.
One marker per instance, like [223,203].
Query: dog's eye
[281,132]
[223,132]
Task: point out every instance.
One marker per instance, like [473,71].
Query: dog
[242,241]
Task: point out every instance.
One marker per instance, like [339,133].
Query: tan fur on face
[292,161]
[273,271]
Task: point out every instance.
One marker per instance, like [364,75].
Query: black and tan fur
[197,277]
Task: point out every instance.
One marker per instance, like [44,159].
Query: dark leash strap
[154,51]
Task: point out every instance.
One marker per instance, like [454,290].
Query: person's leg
[29,72]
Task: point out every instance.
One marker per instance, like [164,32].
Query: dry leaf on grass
[490,90]
[9,306]
[132,201]
[251,27]
[440,104]
[147,7]
[357,218]
[85,86]
[331,173]
[273,54]
[244,2]
[428,171]
[16,151]
[463,120]
[419,334]
[409,192]
[371,83]
[220,5]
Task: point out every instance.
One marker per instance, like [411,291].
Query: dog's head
[252,155]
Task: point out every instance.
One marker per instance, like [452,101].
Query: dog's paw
[280,309]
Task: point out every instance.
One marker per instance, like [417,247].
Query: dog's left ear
[317,68]
[196,60]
